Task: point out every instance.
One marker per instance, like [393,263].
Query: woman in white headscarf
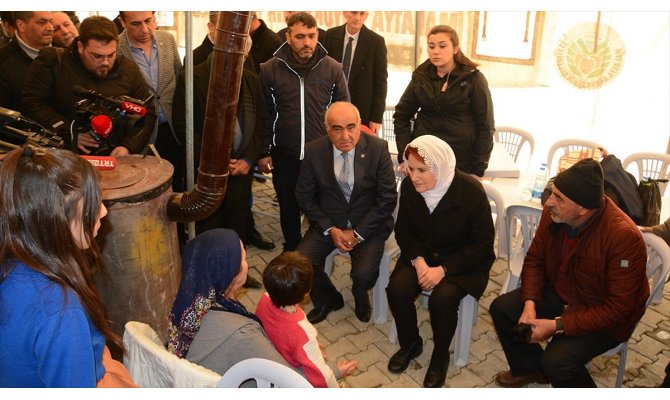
[445,233]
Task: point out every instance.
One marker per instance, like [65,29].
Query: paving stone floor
[345,336]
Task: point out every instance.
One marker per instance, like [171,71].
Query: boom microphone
[124,102]
[9,115]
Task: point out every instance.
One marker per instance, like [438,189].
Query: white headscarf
[441,160]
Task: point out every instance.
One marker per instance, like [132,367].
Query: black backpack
[621,187]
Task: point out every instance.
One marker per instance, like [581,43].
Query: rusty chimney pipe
[232,31]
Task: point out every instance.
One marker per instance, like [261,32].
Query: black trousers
[564,358]
[666,381]
[169,149]
[232,213]
[365,258]
[284,179]
[443,306]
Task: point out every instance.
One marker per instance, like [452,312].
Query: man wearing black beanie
[583,283]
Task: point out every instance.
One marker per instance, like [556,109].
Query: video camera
[17,130]
[106,119]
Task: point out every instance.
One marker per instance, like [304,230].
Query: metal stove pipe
[219,129]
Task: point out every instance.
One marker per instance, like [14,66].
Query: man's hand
[528,313]
[239,167]
[430,277]
[119,151]
[344,240]
[265,165]
[543,329]
[85,141]
[375,127]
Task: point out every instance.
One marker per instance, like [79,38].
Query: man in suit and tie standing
[363,57]
[347,190]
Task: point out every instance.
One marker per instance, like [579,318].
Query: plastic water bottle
[540,182]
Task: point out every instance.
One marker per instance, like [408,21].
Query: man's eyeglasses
[98,58]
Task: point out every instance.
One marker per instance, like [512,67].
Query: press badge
[624,263]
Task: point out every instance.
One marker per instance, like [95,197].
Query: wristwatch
[559,326]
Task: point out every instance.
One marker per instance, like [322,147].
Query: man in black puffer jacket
[299,83]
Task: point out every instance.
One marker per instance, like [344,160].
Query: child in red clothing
[288,279]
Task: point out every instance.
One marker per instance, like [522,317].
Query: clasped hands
[542,329]
[343,239]
[428,277]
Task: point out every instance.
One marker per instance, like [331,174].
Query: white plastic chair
[658,268]
[514,140]
[498,213]
[266,373]
[528,219]
[567,146]
[467,319]
[151,365]
[651,165]
[387,124]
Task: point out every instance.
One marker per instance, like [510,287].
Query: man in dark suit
[347,190]
[367,75]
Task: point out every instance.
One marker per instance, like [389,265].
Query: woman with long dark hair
[52,320]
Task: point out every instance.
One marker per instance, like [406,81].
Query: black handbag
[650,193]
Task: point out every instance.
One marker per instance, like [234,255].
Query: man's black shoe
[363,309]
[252,283]
[435,376]
[319,314]
[256,240]
[400,360]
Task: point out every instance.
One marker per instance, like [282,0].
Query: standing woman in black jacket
[445,234]
[450,99]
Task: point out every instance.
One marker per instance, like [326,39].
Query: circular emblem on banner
[587,62]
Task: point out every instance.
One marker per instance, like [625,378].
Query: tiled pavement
[345,336]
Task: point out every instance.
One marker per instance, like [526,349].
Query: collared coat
[373,196]
[169,66]
[48,97]
[606,272]
[368,75]
[457,235]
[14,63]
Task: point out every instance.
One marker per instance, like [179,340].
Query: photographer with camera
[114,88]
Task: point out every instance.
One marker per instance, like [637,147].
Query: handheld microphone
[126,103]
[102,126]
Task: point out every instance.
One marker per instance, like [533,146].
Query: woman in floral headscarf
[445,233]
[207,325]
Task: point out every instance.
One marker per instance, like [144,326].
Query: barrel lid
[134,174]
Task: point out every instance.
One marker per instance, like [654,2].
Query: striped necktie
[346,61]
[343,177]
